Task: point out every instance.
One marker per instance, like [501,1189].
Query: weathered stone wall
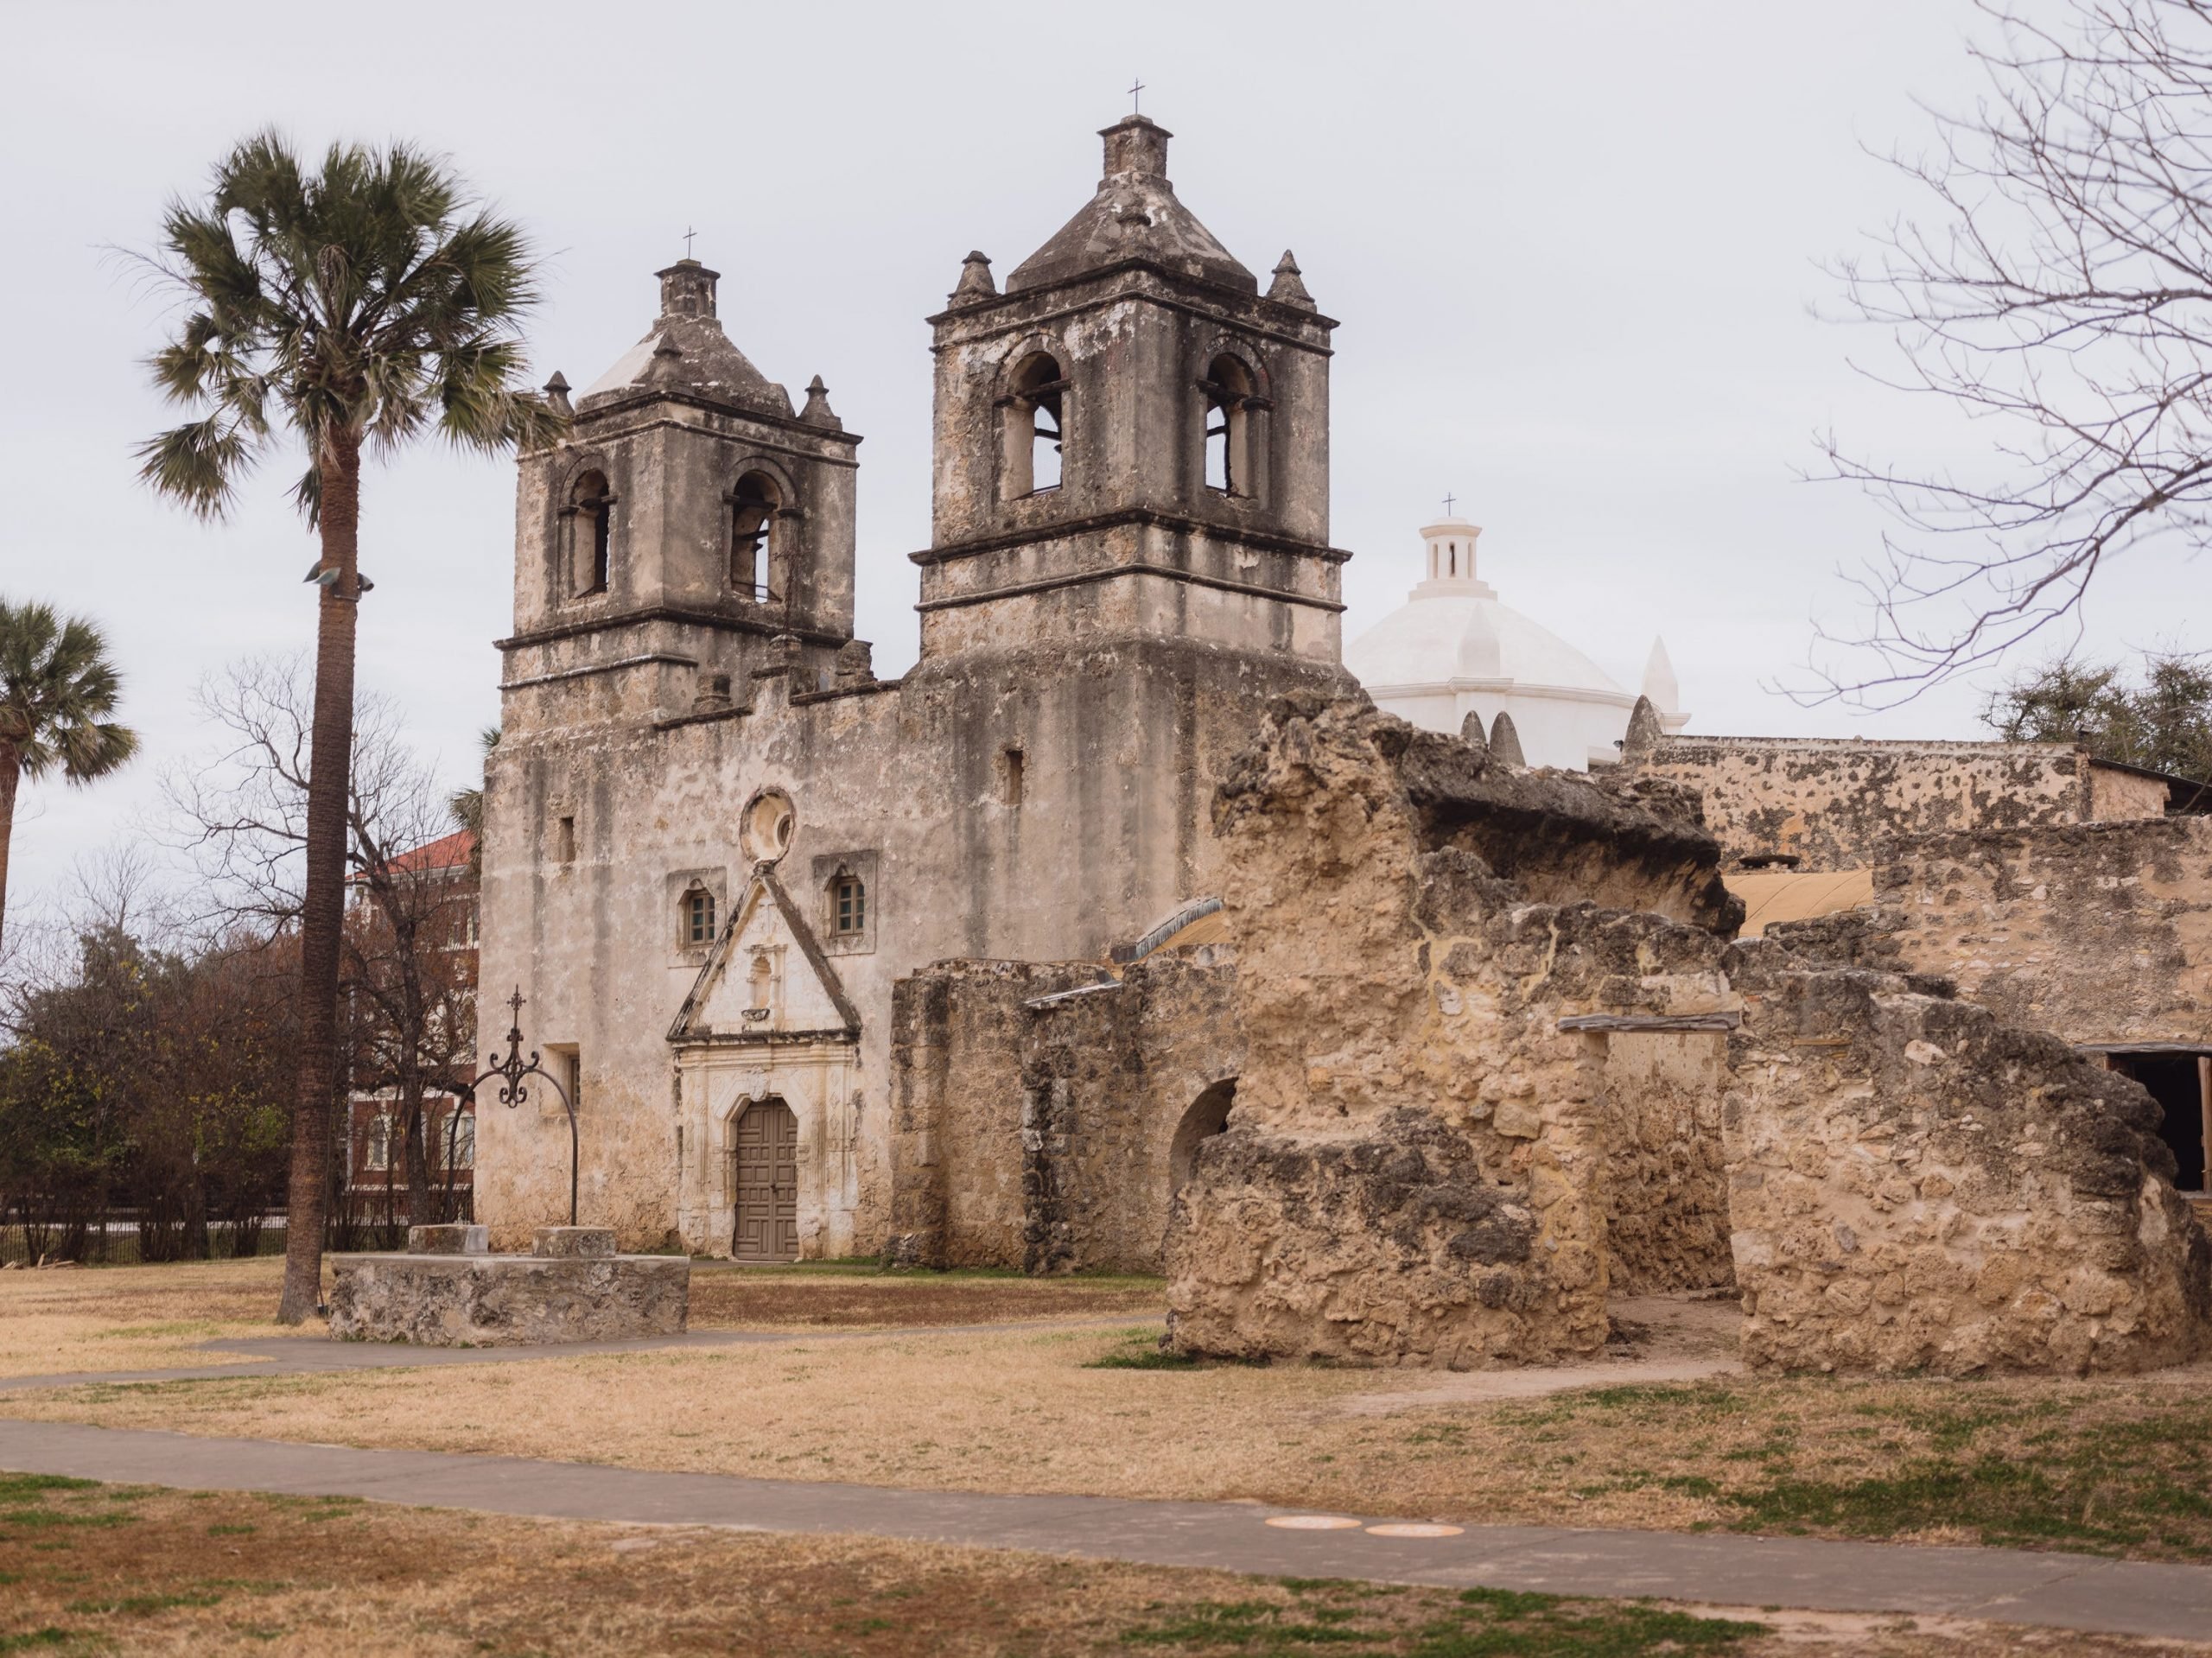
[1415,1169]
[1666,1195]
[2099,932]
[485,1300]
[1036,1106]
[1425,1166]
[959,1039]
[1915,1185]
[1107,1078]
[1834,803]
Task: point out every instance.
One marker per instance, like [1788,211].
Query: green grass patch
[1149,1357]
[1356,1620]
[15,1488]
[144,1606]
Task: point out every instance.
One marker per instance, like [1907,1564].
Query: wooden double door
[765,1183]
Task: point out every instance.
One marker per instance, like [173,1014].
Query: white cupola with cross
[1452,651]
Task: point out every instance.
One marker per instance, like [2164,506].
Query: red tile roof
[446,852]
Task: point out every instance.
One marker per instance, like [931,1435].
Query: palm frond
[56,687]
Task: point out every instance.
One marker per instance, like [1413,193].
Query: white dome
[1452,651]
[1435,639]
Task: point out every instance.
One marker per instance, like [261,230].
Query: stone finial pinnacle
[667,362]
[1471,733]
[817,411]
[557,394]
[1289,285]
[975,283]
[1645,732]
[1505,742]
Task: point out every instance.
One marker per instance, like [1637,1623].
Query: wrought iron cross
[1136,101]
[688,234]
[511,1070]
[1449,499]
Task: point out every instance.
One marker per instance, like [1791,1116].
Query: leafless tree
[408,988]
[2060,293]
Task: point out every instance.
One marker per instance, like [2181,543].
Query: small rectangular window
[564,841]
[1010,777]
[851,906]
[699,916]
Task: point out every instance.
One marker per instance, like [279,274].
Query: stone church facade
[714,841]
[1124,932]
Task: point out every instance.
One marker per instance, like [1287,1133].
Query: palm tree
[362,306]
[468,805]
[56,687]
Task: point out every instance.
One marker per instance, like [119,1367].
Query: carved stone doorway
[765,1182]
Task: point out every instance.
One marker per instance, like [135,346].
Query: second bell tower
[1132,440]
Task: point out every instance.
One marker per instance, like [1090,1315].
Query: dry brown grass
[136,1317]
[156,1318]
[2112,1466]
[91,1569]
[809,1297]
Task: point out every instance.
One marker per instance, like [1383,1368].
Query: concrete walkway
[2065,1590]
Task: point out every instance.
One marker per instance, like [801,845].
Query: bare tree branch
[2060,293]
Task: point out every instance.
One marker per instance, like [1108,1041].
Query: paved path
[2067,1590]
[312,1356]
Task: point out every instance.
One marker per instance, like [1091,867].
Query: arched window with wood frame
[1034,429]
[755,539]
[1230,395]
[590,516]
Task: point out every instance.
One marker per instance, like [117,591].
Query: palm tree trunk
[11,769]
[322,913]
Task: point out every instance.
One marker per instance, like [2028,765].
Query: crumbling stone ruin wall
[1666,1193]
[1914,1184]
[1415,1170]
[2099,932]
[1834,803]
[1037,1106]
[1421,1167]
[957,1046]
[1108,1078]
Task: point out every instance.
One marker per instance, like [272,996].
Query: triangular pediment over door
[766,976]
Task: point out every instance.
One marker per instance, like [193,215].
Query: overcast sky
[1574,248]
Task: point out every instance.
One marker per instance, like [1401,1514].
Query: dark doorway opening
[2176,1080]
[1208,1116]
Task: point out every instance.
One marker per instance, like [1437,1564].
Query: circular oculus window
[766,829]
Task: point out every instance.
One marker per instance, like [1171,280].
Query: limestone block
[452,1240]
[483,1301]
[563,1242]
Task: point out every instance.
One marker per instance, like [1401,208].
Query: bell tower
[692,530]
[1132,440]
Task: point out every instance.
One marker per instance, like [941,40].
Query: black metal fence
[124,1241]
[124,1238]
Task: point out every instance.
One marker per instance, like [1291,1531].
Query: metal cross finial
[1449,499]
[688,234]
[1136,101]
[511,1070]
